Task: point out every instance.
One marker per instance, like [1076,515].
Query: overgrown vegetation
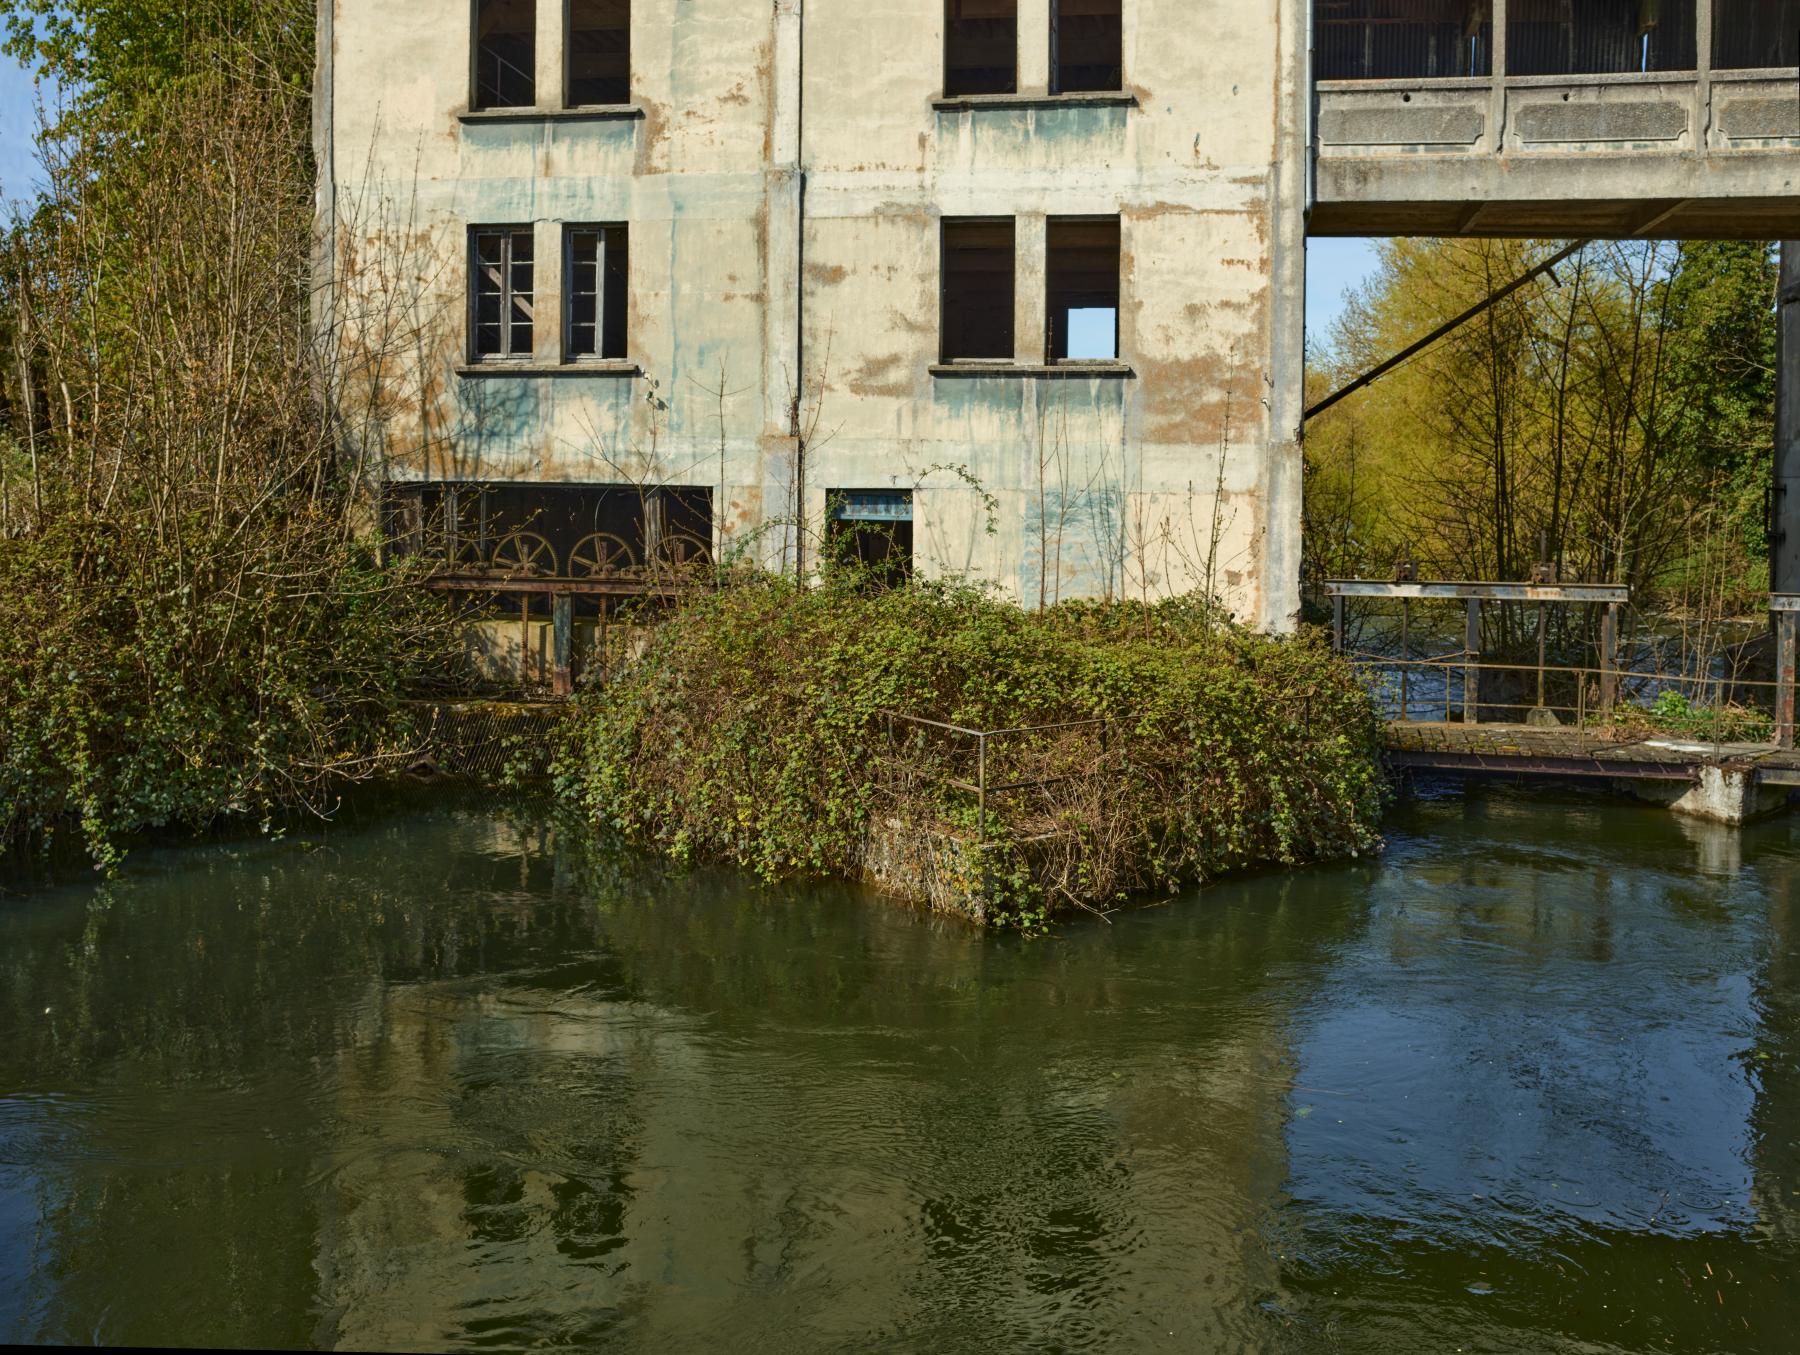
[194,626]
[757,728]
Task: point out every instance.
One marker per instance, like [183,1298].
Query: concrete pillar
[1031,287]
[551,67]
[784,374]
[1497,101]
[1784,552]
[1279,594]
[547,287]
[1034,46]
[1703,59]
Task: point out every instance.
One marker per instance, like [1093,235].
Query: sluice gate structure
[1461,712]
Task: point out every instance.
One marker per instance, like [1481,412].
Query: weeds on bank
[758,727]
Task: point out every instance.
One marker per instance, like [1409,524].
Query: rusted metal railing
[981,787]
[1608,677]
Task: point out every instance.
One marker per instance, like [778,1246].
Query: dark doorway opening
[871,530]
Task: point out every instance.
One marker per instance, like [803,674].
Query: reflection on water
[463,1080]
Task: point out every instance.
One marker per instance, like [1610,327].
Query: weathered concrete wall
[783,175]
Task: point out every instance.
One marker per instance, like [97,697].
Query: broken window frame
[569,57]
[949,307]
[611,295]
[857,518]
[1059,83]
[1056,326]
[527,73]
[957,88]
[513,300]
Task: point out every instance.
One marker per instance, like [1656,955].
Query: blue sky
[18,124]
[1333,267]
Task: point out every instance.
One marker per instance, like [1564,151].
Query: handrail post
[563,626]
[1786,625]
[981,786]
[1472,673]
[1405,659]
[1609,662]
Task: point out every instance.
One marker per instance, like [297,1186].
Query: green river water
[454,1078]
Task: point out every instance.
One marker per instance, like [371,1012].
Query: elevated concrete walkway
[1452,126]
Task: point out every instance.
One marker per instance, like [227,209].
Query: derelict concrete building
[1013,288]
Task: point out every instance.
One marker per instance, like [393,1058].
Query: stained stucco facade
[784,171]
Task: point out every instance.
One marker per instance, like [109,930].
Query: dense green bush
[193,625]
[754,729]
[133,696]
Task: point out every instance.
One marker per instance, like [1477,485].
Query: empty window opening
[1599,37]
[502,299]
[981,47]
[599,52]
[978,290]
[1755,34]
[1082,271]
[872,529]
[1089,38]
[1402,39]
[596,287]
[505,53]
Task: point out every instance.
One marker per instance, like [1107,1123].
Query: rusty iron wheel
[525,553]
[681,554]
[602,556]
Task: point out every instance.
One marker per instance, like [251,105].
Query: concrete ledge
[1115,370]
[477,370]
[592,113]
[955,103]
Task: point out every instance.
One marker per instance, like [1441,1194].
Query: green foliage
[754,729]
[131,700]
[1672,712]
[114,58]
[1625,409]
[194,625]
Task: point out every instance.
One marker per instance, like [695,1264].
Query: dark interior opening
[468,524]
[598,282]
[872,530]
[981,47]
[599,52]
[1402,39]
[978,290]
[1599,37]
[1089,37]
[1082,273]
[505,53]
[1755,34]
